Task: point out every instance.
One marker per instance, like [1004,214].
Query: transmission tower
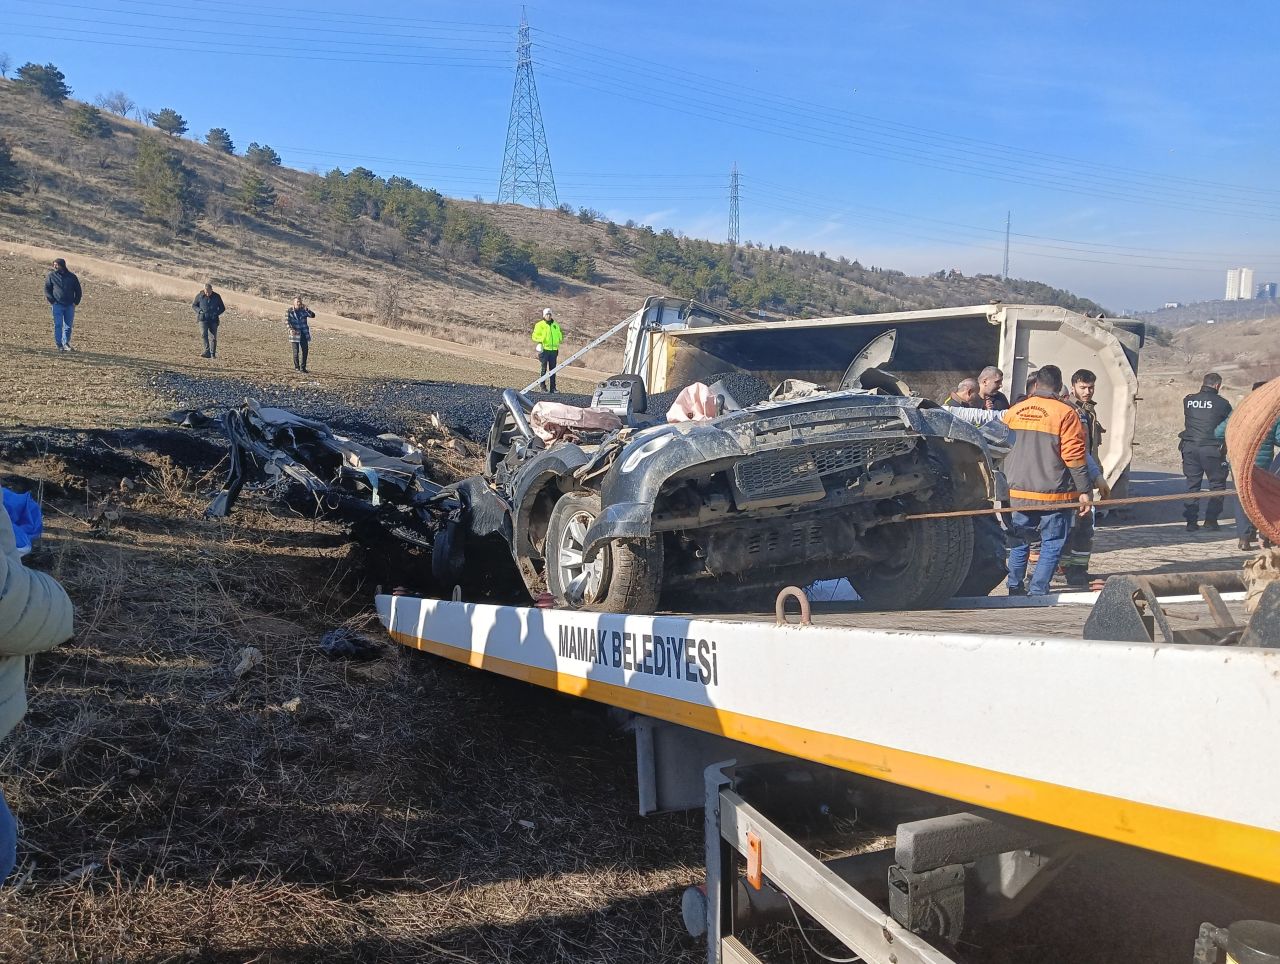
[526,164]
[1008,215]
[733,205]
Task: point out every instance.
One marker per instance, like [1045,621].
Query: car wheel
[928,559]
[624,577]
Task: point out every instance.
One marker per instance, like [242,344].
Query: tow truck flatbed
[1130,742]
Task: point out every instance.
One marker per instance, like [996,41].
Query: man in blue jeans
[1048,478]
[62,291]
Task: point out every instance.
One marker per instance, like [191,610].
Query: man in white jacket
[35,615]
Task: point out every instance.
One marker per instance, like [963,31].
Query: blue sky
[1135,145]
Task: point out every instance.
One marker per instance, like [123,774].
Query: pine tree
[169,121]
[256,195]
[47,81]
[220,140]
[262,155]
[10,173]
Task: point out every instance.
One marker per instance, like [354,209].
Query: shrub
[164,182]
[88,122]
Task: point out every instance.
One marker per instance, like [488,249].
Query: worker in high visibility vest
[547,335]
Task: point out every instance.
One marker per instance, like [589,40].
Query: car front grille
[782,472]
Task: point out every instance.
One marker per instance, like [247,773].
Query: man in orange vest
[1048,478]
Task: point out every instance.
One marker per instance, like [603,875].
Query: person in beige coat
[35,615]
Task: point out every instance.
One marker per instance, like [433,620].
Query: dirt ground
[197,782]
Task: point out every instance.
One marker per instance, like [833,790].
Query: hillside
[1185,316]
[389,251]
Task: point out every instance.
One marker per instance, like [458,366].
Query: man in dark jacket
[62,291]
[209,309]
[1202,450]
[989,395]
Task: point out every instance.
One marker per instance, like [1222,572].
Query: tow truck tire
[630,573]
[930,560]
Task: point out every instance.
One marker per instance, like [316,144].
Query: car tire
[930,560]
[989,567]
[629,576]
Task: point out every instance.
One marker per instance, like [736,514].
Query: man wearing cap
[62,291]
[209,308]
[547,336]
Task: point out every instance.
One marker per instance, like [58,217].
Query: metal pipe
[515,404]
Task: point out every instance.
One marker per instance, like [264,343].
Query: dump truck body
[672,342]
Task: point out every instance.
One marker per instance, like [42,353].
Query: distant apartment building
[1239,284]
[1266,291]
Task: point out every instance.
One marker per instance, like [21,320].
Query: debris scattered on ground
[344,643]
[250,656]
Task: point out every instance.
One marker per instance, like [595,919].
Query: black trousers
[548,359]
[209,335]
[300,355]
[1202,462]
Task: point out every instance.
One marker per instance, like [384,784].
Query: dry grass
[305,810]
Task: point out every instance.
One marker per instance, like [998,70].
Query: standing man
[209,309]
[989,395]
[299,332]
[1075,561]
[1202,450]
[547,336]
[62,291]
[1048,478]
[963,395]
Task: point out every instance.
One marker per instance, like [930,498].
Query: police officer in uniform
[1202,454]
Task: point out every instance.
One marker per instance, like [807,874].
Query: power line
[735,89]
[276,54]
[732,109]
[303,13]
[256,23]
[822,202]
[734,115]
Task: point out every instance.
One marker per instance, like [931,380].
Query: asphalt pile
[360,408]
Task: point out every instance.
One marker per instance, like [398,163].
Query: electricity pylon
[526,164]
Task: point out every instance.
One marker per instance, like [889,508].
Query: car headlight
[641,453]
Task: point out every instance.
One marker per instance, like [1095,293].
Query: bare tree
[386,303]
[6,64]
[118,102]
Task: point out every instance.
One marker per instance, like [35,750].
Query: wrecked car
[809,483]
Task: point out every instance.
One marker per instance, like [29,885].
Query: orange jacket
[1047,463]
